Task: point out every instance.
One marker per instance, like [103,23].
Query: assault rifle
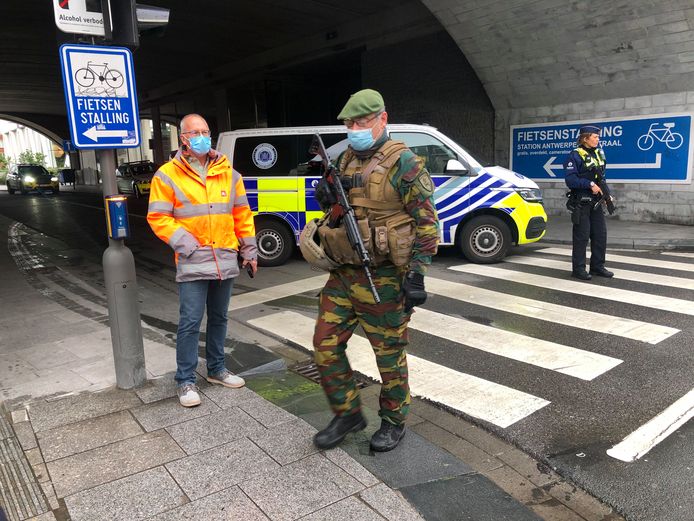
[606,197]
[342,211]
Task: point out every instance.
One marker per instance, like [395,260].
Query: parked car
[135,178]
[24,178]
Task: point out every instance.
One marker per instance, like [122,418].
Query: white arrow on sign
[95,134]
[549,165]
[630,166]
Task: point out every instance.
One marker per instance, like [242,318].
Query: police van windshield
[435,153]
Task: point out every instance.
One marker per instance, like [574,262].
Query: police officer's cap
[362,103]
[589,129]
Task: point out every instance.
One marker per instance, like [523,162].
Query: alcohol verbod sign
[642,149]
[100,95]
[79,16]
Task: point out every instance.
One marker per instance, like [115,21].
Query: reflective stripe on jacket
[206,223]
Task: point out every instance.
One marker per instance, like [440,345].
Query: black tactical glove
[324,194]
[413,288]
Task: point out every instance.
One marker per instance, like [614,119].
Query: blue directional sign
[100,95]
[641,149]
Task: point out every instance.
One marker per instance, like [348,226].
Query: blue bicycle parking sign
[101,98]
[641,149]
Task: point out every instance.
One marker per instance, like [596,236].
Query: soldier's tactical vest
[387,230]
[593,163]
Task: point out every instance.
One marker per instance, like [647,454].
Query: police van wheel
[275,243]
[485,239]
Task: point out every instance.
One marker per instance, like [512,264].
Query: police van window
[264,156]
[434,153]
[308,164]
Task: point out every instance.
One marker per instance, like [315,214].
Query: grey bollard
[124,315]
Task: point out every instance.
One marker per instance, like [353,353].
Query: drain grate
[310,371]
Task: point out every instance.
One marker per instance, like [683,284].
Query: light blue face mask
[200,144]
[360,139]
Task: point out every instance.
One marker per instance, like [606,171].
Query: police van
[482,210]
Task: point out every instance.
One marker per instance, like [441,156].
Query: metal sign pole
[121,293]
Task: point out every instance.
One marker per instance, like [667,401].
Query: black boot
[339,427]
[602,272]
[581,274]
[387,437]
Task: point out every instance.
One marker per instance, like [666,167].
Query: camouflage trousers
[346,302]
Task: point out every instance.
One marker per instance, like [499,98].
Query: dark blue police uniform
[580,170]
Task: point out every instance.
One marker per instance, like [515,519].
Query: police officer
[584,169]
[392,195]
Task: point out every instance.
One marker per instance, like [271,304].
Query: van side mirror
[453,166]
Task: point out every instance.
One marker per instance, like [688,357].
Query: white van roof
[326,129]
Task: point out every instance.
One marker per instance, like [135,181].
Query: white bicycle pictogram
[86,76]
[673,140]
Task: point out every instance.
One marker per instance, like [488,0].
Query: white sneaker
[227,379]
[188,395]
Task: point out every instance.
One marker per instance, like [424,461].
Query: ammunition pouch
[390,239]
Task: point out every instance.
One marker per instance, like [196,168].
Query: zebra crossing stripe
[548,355]
[636,276]
[626,259]
[276,292]
[488,401]
[654,431]
[554,313]
[674,305]
[678,254]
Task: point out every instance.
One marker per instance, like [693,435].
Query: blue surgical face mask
[360,139]
[200,144]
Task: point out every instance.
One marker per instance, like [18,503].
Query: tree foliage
[32,158]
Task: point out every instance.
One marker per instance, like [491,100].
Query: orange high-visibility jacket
[206,223]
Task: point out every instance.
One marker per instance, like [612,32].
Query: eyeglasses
[197,133]
[361,122]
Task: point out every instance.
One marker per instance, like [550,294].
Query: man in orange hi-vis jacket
[198,206]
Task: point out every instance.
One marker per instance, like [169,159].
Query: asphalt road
[563,369]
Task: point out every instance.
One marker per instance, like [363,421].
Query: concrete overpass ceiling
[207,42]
[530,53]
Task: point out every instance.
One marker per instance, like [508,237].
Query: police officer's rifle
[342,210]
[606,197]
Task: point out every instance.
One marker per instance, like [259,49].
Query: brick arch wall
[561,60]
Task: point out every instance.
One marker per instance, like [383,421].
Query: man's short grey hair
[187,117]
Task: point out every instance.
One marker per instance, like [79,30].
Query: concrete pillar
[222,108]
[158,150]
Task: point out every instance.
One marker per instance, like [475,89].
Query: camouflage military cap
[361,103]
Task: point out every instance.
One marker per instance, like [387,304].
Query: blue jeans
[193,297]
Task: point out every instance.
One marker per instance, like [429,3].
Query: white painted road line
[656,430]
[674,305]
[689,255]
[626,259]
[636,276]
[548,355]
[275,292]
[474,396]
[554,313]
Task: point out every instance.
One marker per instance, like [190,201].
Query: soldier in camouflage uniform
[346,300]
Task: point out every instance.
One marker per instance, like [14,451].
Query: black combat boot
[387,437]
[581,274]
[339,427]
[602,272]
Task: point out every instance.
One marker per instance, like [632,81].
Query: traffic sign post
[100,95]
[103,114]
[640,149]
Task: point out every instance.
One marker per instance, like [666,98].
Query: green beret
[362,103]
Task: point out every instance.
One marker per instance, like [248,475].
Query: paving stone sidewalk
[135,455]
